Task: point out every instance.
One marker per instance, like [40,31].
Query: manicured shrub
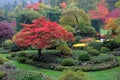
[88,48]
[22,54]
[102,58]
[21,59]
[2,74]
[116,53]
[93,52]
[89,67]
[84,56]
[71,75]
[35,58]
[68,62]
[111,44]
[15,48]
[13,55]
[95,45]
[30,61]
[8,44]
[104,50]
[26,75]
[65,50]
[2,60]
[9,65]
[51,51]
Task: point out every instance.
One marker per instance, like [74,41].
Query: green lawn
[102,31]
[109,74]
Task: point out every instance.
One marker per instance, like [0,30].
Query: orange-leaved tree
[41,34]
[113,24]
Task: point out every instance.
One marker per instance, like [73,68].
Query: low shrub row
[102,58]
[25,75]
[90,67]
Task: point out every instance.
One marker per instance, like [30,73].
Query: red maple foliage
[41,33]
[63,5]
[114,14]
[34,6]
[100,12]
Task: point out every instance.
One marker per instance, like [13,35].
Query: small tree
[41,33]
[6,31]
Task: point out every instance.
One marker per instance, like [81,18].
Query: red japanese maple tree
[41,33]
[100,12]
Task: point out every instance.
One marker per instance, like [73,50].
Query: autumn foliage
[41,33]
[85,40]
[100,12]
[114,14]
[34,6]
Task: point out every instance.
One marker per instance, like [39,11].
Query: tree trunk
[39,53]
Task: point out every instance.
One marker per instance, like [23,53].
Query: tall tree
[100,12]
[76,18]
[113,24]
[87,4]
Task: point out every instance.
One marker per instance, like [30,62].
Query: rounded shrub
[93,52]
[65,50]
[22,54]
[2,74]
[95,45]
[102,58]
[68,62]
[2,60]
[84,56]
[8,44]
[22,59]
[104,50]
[71,75]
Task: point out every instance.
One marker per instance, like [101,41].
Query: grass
[109,74]
[50,73]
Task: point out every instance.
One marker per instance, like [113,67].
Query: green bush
[84,56]
[102,58]
[116,53]
[93,52]
[35,58]
[22,59]
[51,51]
[30,61]
[68,62]
[15,48]
[8,44]
[65,49]
[22,54]
[2,74]
[2,60]
[89,67]
[111,44]
[104,50]
[95,45]
[71,75]
[26,75]
[88,48]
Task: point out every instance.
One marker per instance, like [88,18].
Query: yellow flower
[97,41]
[80,45]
